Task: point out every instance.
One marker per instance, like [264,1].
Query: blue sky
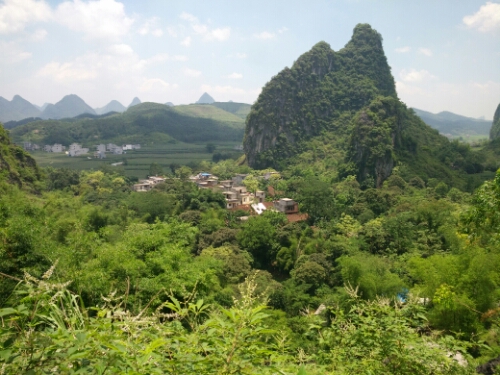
[445,55]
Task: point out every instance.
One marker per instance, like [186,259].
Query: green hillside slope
[16,166]
[239,109]
[146,122]
[212,112]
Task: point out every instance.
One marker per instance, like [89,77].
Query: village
[238,198]
[76,149]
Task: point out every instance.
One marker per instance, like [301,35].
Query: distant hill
[451,124]
[14,124]
[239,109]
[205,99]
[170,104]
[69,106]
[17,109]
[145,122]
[135,101]
[495,126]
[112,106]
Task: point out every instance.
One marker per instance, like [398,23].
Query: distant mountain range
[451,124]
[17,109]
[112,106]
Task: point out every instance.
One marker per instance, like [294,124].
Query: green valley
[347,237]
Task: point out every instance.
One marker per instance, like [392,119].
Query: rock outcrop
[319,92]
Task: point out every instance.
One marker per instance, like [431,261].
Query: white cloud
[200,29]
[180,58]
[241,55]
[157,32]
[188,17]
[118,64]
[486,19]
[67,72]
[172,32]
[425,51]
[191,72]
[96,19]
[220,34]
[156,85]
[186,41]
[16,14]
[121,49]
[404,49]
[151,27]
[413,75]
[235,76]
[10,53]
[264,35]
[282,30]
[159,58]
[39,35]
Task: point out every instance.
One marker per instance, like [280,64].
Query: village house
[131,147]
[55,148]
[147,185]
[143,186]
[28,146]
[286,205]
[76,149]
[238,179]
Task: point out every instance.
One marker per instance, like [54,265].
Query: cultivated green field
[136,162]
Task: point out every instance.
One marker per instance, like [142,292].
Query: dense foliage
[96,278]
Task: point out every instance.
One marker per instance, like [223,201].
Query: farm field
[136,163]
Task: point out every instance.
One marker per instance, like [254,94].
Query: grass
[210,112]
[135,162]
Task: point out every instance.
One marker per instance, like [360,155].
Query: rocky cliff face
[495,127]
[323,90]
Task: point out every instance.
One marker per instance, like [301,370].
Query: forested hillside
[146,122]
[340,111]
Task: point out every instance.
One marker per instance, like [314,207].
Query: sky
[444,55]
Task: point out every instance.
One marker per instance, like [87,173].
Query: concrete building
[76,149]
[54,148]
[286,205]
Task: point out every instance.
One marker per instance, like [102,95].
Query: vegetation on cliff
[495,127]
[341,110]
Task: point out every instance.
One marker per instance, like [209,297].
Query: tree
[317,199]
[258,237]
[251,183]
[210,147]
[155,169]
